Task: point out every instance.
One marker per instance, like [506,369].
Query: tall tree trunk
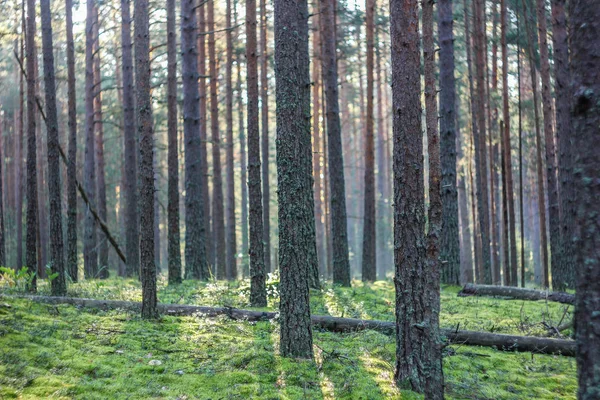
[72,264]
[42,196]
[99,147]
[339,233]
[450,245]
[264,113]
[243,162]
[416,339]
[521,211]
[231,245]
[57,264]
[466,248]
[218,212]
[258,292]
[538,139]
[433,377]
[382,220]
[297,250]
[146,135]
[563,270]
[208,236]
[508,273]
[174,247]
[31,239]
[196,266]
[132,232]
[552,183]
[507,149]
[369,265]
[19,150]
[585,117]
[317,87]
[90,249]
[480,139]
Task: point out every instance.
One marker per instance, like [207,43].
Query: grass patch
[64,352]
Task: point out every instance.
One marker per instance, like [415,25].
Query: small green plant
[17,279]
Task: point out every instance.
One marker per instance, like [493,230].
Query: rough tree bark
[258,293]
[230,243]
[297,249]
[585,123]
[479,136]
[208,237]
[2,237]
[563,269]
[433,377]
[99,148]
[550,151]
[264,113]
[90,249]
[19,150]
[196,266]
[132,233]
[369,265]
[510,199]
[146,135]
[31,240]
[218,212]
[72,150]
[417,339]
[174,247]
[57,263]
[341,264]
[450,245]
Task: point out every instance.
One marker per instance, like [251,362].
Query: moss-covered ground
[65,352]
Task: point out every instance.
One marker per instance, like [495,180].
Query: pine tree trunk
[72,264]
[585,123]
[130,191]
[550,152]
[57,265]
[2,234]
[317,87]
[243,167]
[382,220]
[521,211]
[230,243]
[466,247]
[369,265]
[297,249]
[432,377]
[174,247]
[19,150]
[563,269]
[196,266]
[99,147]
[339,234]
[507,149]
[416,336]
[509,278]
[42,196]
[218,212]
[480,140]
[31,239]
[146,135]
[539,163]
[264,112]
[450,245]
[208,236]
[258,292]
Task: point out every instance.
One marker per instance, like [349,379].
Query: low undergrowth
[65,352]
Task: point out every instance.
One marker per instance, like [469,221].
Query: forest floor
[63,352]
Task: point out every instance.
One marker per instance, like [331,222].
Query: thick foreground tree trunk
[585,117]
[516,293]
[538,345]
[146,134]
[297,242]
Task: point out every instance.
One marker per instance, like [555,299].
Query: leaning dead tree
[333,324]
[516,293]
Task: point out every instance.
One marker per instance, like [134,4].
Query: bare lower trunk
[258,293]
[146,135]
[297,249]
[264,113]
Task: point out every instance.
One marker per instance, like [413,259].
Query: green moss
[64,352]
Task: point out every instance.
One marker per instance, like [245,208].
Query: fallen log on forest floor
[516,293]
[332,324]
